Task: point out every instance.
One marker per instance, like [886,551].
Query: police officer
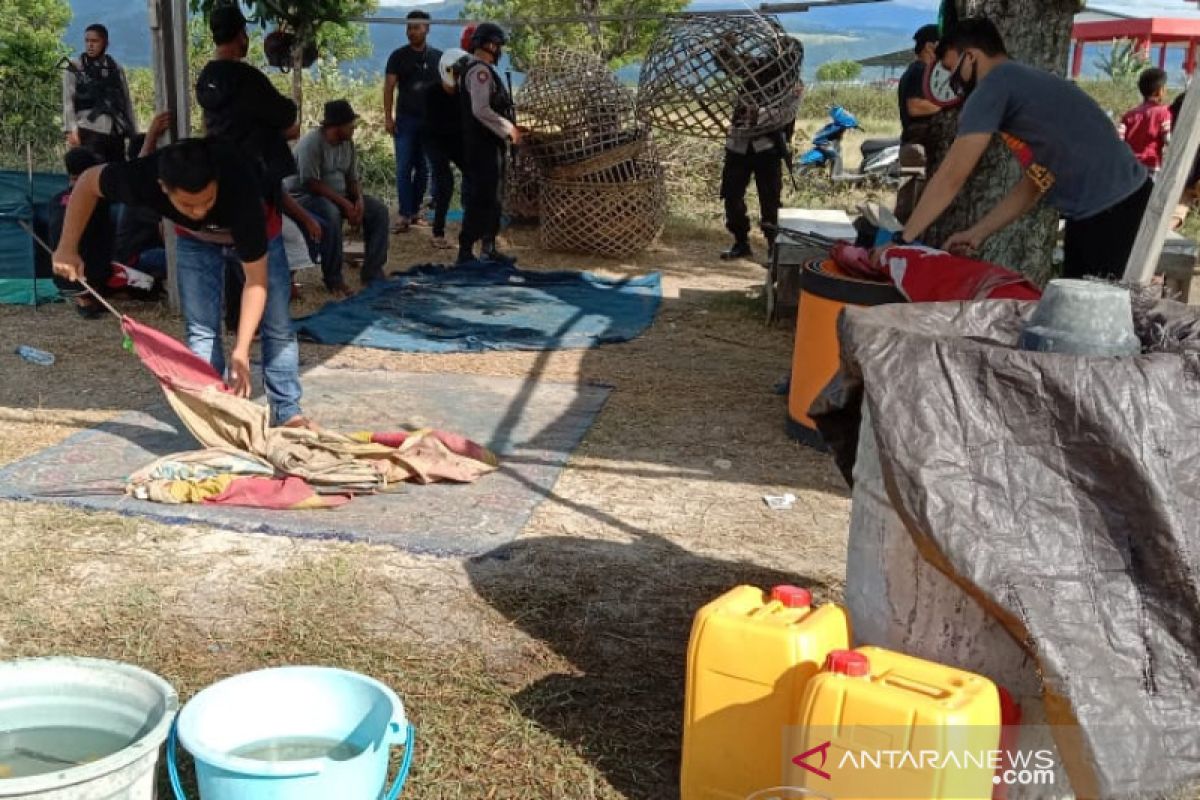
[97,108]
[489,128]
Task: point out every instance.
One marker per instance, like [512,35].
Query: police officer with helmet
[489,128]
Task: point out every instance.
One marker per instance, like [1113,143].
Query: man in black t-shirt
[915,108]
[410,71]
[442,137]
[96,243]
[214,198]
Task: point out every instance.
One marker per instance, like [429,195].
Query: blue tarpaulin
[489,306]
[24,268]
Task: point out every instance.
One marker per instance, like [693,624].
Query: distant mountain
[829,34]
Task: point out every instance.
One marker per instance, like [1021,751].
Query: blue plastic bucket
[233,727]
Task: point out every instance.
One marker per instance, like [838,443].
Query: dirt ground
[550,668]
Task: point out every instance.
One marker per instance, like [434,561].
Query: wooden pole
[169,48]
[1172,180]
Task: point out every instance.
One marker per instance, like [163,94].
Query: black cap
[338,113]
[417,15]
[488,33]
[225,22]
[926,34]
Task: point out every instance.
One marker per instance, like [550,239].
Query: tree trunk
[1038,33]
[298,80]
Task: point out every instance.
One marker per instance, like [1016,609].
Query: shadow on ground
[621,614]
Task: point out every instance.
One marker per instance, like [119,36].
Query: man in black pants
[442,138]
[756,147]
[489,127]
[96,243]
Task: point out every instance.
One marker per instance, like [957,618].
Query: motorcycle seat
[872,146]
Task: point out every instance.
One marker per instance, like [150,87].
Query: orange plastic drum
[824,292]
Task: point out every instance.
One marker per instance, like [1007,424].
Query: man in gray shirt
[326,184]
[1067,146]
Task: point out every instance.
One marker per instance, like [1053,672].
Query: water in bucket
[35,751]
[298,748]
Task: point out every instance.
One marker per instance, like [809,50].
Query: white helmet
[448,62]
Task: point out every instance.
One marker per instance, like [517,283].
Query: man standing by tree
[411,69]
[489,127]
[97,108]
[915,108]
[327,184]
[1065,142]
[915,112]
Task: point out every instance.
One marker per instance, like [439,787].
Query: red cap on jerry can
[792,596]
[848,662]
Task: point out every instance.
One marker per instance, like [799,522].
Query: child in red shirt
[1148,127]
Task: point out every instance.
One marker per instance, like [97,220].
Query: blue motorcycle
[880,157]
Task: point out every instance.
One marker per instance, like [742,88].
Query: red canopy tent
[1148,32]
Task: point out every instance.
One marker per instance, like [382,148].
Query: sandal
[441,243]
[400,226]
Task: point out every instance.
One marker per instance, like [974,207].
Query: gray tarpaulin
[1063,493]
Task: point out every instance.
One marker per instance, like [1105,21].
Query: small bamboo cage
[705,76]
[615,212]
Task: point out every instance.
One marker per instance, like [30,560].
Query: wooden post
[169,48]
[1162,56]
[1185,141]
[1189,63]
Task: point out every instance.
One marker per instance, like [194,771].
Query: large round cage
[615,213]
[705,76]
[574,110]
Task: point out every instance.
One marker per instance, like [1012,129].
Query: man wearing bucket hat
[327,184]
[489,127]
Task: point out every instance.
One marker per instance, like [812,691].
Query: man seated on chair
[96,243]
[327,185]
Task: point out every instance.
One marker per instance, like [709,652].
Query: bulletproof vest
[98,86]
[476,132]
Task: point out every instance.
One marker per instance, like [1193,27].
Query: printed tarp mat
[531,425]
[489,306]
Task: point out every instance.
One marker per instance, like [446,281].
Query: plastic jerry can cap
[792,596]
[849,663]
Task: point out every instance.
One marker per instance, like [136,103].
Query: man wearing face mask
[1066,144]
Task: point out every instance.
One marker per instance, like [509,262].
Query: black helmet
[488,33]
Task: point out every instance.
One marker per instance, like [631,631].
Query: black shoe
[90,311]
[464,257]
[739,250]
[492,254]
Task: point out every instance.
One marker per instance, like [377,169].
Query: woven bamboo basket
[575,110]
[614,213]
[705,75]
[522,188]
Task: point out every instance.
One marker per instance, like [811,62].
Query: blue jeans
[201,289]
[412,168]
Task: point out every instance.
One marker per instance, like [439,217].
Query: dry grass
[550,668]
